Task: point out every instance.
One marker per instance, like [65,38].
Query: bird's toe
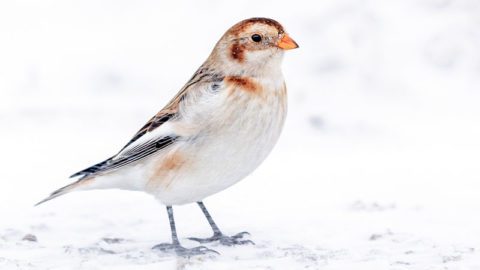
[182,251]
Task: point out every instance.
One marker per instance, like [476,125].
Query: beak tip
[287,43]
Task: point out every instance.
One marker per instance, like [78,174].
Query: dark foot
[225,240]
[184,252]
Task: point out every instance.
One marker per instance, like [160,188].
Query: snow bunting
[219,128]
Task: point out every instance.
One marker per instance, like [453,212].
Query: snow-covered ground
[377,168]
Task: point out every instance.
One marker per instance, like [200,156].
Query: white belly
[225,153]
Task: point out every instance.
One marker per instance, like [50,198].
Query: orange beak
[287,43]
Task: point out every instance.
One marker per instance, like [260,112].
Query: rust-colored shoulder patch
[243,83]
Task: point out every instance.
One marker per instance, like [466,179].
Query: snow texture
[377,168]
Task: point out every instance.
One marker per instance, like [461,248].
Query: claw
[184,252]
[225,240]
[230,241]
[202,240]
[241,234]
[201,250]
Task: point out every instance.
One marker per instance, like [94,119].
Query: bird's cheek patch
[237,52]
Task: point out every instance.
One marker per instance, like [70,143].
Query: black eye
[256,37]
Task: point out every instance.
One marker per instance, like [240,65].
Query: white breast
[233,141]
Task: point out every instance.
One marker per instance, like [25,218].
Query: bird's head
[252,45]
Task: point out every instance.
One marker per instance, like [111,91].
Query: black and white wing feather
[155,135]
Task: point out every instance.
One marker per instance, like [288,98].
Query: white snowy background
[377,167]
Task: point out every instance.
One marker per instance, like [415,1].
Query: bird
[217,129]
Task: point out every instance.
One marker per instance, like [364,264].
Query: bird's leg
[218,235]
[175,245]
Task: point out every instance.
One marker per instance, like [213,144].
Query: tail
[61,191]
[85,175]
